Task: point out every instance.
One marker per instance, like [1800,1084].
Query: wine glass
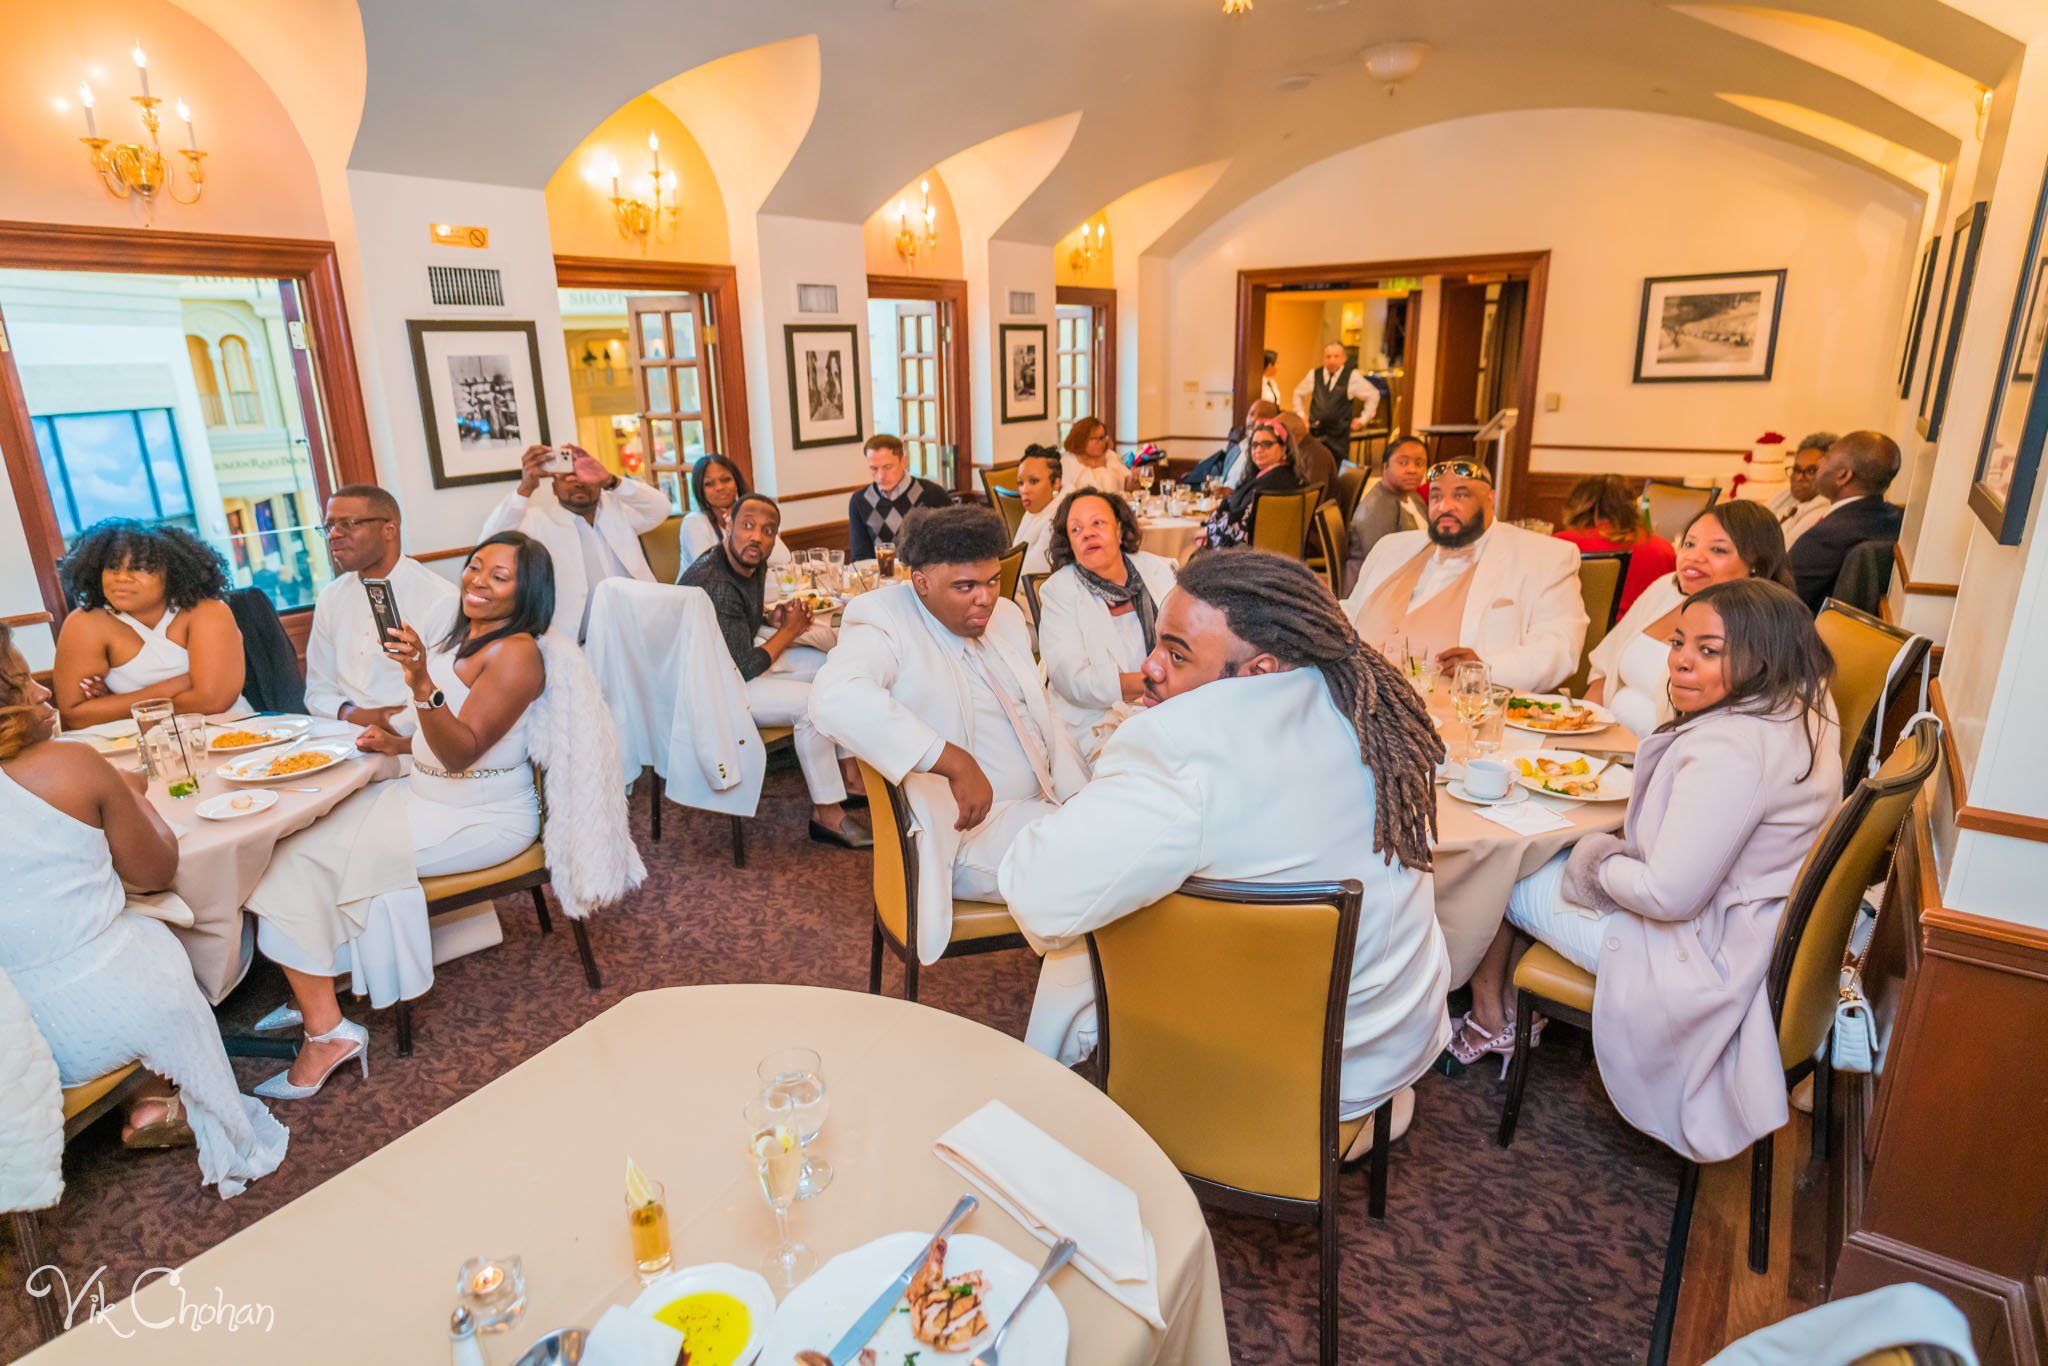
[1471,696]
[797,1074]
[779,1162]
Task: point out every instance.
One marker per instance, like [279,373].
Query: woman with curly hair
[147,621]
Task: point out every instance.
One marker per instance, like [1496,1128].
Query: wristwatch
[437,700]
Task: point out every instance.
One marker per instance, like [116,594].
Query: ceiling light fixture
[1393,63]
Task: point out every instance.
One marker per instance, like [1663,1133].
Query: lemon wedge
[637,1189]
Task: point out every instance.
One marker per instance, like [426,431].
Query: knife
[877,1313]
[1626,758]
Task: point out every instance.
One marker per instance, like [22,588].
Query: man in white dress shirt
[1802,503]
[348,675]
[1324,398]
[1468,588]
[1275,748]
[590,520]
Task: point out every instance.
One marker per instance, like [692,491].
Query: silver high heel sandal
[285,1016]
[281,1087]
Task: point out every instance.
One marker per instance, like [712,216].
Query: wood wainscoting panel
[1942,1178]
[823,536]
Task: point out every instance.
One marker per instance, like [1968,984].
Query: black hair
[1776,658]
[1411,439]
[748,497]
[1272,357]
[1049,454]
[1873,460]
[697,471]
[192,569]
[1758,537]
[1059,551]
[965,533]
[1279,606]
[380,500]
[533,597]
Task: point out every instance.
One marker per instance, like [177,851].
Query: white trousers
[782,697]
[1536,906]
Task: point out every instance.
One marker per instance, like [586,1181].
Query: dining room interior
[740,422]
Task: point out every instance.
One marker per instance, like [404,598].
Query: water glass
[1487,739]
[797,1075]
[1472,697]
[647,1225]
[778,1159]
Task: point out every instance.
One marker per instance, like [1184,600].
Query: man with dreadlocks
[1275,748]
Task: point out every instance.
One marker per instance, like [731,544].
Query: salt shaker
[463,1348]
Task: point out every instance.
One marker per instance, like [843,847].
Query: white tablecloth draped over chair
[675,694]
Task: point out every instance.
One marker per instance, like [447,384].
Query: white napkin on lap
[624,1338]
[1055,1193]
[1524,818]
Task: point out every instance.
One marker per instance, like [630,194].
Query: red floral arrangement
[1749,458]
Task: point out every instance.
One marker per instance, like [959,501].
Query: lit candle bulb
[92,127]
[654,146]
[615,177]
[191,137]
[141,66]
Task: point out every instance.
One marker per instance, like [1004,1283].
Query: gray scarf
[1131,590]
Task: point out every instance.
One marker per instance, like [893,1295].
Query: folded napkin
[1524,818]
[624,1338]
[1055,1193]
[168,907]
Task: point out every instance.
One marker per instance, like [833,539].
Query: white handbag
[1854,1046]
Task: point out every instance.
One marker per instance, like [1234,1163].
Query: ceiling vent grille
[1023,303]
[817,298]
[466,286]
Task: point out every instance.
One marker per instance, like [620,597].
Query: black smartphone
[383,609]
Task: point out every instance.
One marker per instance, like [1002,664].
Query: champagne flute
[1471,696]
[778,1157]
[797,1074]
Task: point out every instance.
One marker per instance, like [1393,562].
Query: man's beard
[1463,536]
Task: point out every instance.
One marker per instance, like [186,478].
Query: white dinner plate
[723,1278]
[273,733]
[232,806]
[1616,782]
[256,767]
[1456,787]
[816,1314]
[1601,715]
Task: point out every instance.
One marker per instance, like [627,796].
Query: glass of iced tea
[885,560]
[647,1224]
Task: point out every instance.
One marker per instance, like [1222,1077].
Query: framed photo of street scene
[2009,455]
[480,397]
[1023,379]
[1709,327]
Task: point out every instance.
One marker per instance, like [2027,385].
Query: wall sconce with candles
[650,219]
[138,170]
[913,242]
[1089,249]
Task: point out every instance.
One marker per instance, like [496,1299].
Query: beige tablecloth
[1174,537]
[362,1268]
[220,862]
[1477,862]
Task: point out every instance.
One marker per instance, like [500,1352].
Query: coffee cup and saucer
[1486,782]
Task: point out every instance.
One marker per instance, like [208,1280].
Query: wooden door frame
[952,294]
[1254,285]
[729,376]
[1091,296]
[309,265]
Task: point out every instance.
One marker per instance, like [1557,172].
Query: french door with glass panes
[922,413]
[671,357]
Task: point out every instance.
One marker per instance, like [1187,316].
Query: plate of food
[722,1311]
[1553,714]
[231,806]
[1574,777]
[300,762]
[238,737]
[965,1291]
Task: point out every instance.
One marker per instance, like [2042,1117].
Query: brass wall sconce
[1089,249]
[140,170]
[652,219]
[911,242]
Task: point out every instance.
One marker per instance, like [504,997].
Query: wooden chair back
[663,547]
[1873,659]
[1601,574]
[1280,521]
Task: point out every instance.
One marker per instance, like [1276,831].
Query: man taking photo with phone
[589,519]
[348,675]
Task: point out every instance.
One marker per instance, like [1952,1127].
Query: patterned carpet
[1548,1252]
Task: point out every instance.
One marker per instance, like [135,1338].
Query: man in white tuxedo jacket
[1246,766]
[933,684]
[590,520]
[1469,588]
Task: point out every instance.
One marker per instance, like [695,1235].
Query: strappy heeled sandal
[168,1130]
[1469,1043]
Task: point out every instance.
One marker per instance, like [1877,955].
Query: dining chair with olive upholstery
[1802,985]
[1673,503]
[1331,535]
[1873,660]
[663,547]
[1032,583]
[978,926]
[1351,480]
[995,477]
[1220,1029]
[1009,568]
[1010,504]
[1280,521]
[1601,575]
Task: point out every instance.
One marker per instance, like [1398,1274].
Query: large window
[101,465]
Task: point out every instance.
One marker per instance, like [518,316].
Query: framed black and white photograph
[1709,327]
[824,383]
[480,397]
[2009,456]
[1916,320]
[1023,378]
[1956,277]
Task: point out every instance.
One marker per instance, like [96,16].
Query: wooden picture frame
[1709,328]
[824,373]
[480,397]
[1916,320]
[1964,239]
[2009,453]
[1024,374]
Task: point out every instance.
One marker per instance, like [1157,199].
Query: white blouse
[1109,477]
[1636,666]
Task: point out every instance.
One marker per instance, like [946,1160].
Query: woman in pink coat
[1677,916]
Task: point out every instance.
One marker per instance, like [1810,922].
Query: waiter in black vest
[1324,399]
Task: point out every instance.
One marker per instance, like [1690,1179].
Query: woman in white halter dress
[105,985]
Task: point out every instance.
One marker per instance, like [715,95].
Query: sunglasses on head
[1464,469]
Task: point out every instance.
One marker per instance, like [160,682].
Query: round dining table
[1174,537]
[363,1267]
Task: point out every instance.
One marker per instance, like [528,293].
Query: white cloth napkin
[1055,1193]
[624,1338]
[1524,818]
[168,907]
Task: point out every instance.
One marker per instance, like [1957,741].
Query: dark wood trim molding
[26,619]
[1989,820]
[1922,587]
[1090,296]
[823,536]
[678,277]
[1646,450]
[310,265]
[959,373]
[846,492]
[459,552]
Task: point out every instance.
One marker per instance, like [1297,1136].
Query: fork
[1061,1253]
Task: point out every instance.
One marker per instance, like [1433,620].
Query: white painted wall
[1615,197]
[1011,266]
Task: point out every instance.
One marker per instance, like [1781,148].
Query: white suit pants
[782,697]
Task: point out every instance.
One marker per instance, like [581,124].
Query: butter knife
[878,1313]
[1624,757]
